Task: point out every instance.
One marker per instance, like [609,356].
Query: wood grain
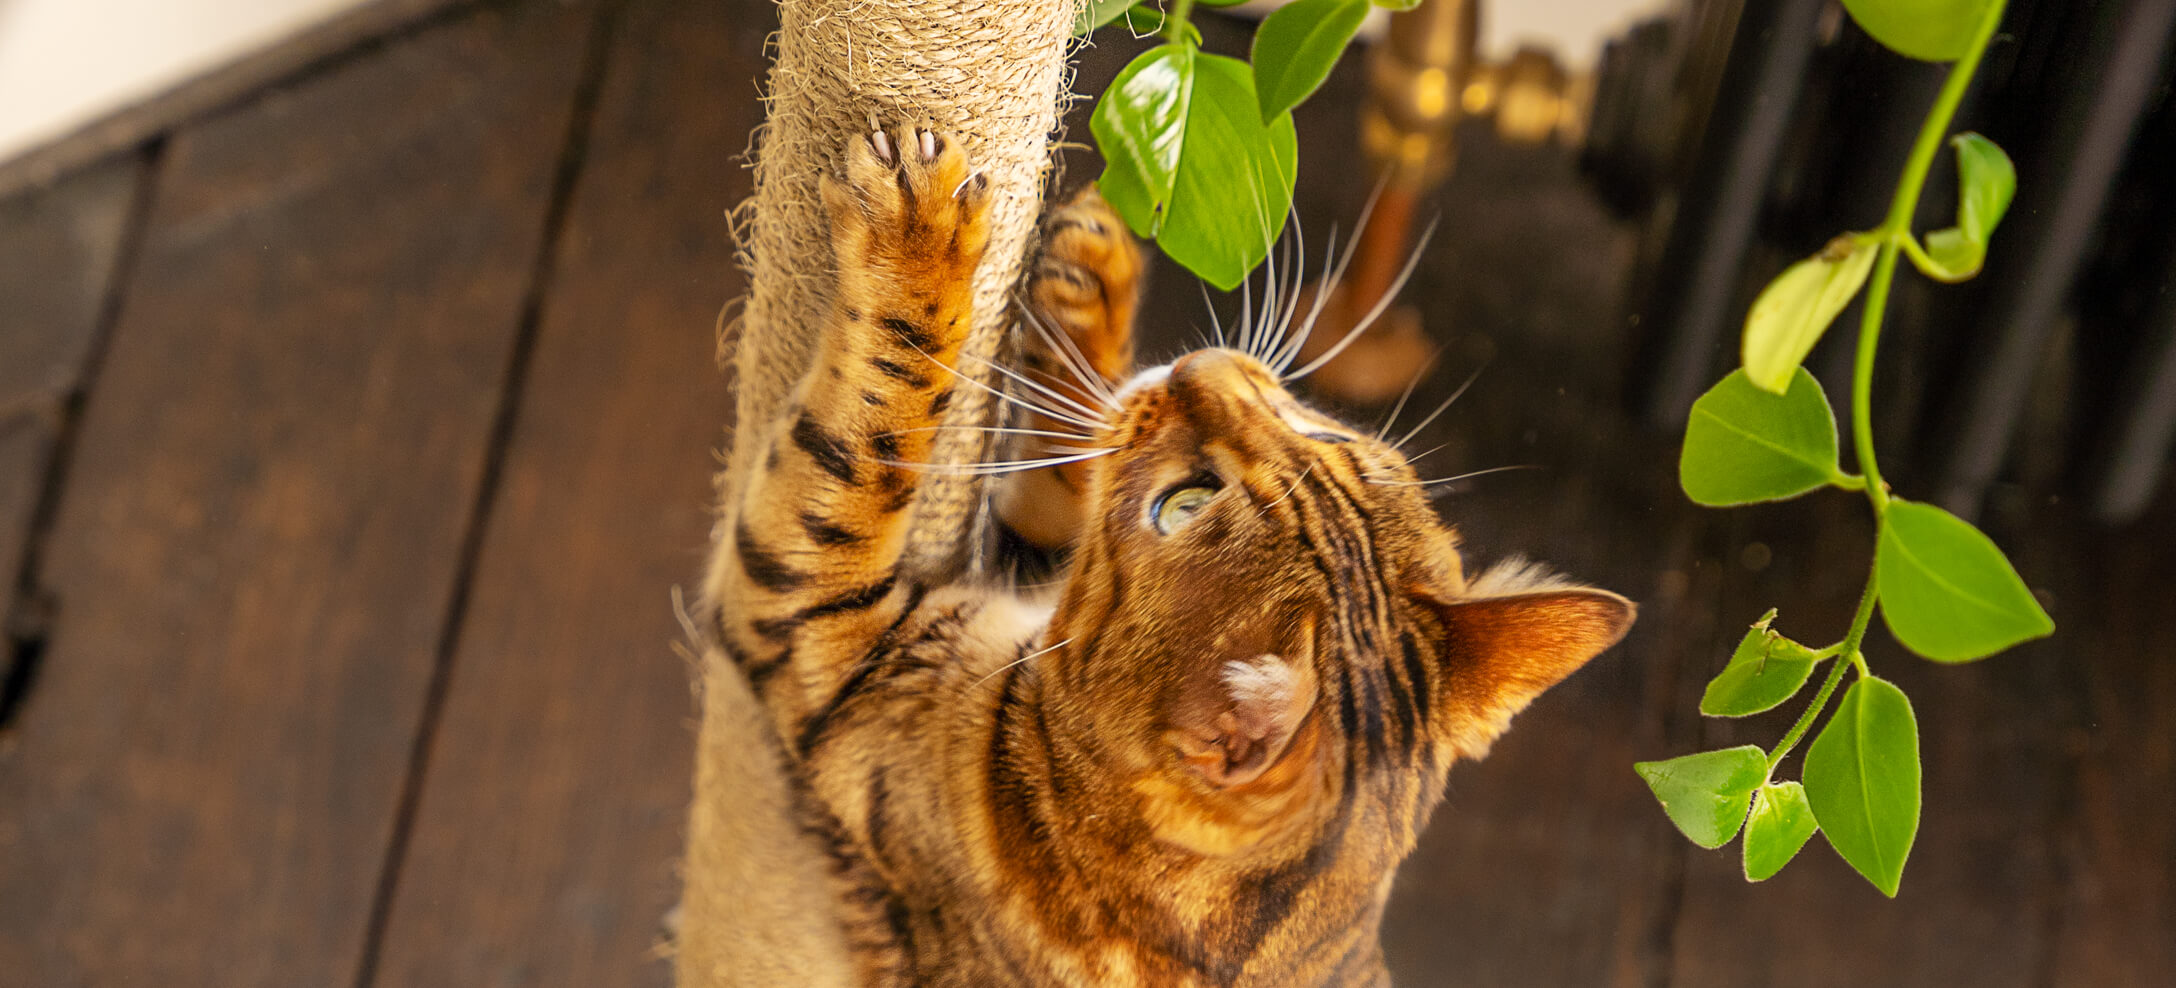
[2116,916]
[558,786]
[59,251]
[255,558]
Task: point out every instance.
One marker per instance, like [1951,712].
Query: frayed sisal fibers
[992,73]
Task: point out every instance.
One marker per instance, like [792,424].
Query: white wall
[66,63]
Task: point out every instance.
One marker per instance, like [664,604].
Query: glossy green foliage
[1766,670]
[1795,309]
[1946,591]
[1705,794]
[1780,824]
[1862,780]
[1744,444]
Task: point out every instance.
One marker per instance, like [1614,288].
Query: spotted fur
[1198,760]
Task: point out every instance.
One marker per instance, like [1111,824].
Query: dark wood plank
[557,790]
[2117,915]
[59,250]
[1974,903]
[196,97]
[254,560]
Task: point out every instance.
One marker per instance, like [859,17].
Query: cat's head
[1267,621]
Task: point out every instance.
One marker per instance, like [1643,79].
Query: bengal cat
[1198,759]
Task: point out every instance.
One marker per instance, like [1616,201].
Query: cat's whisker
[1017,400]
[995,467]
[994,673]
[1070,355]
[1288,492]
[999,430]
[1382,305]
[1439,481]
[1064,400]
[1334,266]
[1407,395]
[1423,423]
[1206,303]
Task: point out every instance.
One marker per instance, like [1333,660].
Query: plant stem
[1894,231]
[1897,226]
[1850,659]
[1182,12]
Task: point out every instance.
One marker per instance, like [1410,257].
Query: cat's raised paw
[909,192]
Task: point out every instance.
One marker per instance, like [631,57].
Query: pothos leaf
[1705,794]
[1862,780]
[1931,30]
[1296,47]
[1744,445]
[1795,309]
[1766,670]
[1779,825]
[1188,161]
[1946,591]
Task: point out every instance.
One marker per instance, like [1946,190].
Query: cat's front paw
[909,202]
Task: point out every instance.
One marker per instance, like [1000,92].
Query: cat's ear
[1233,726]
[1500,652]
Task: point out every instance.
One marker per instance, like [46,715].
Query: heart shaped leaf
[1931,30]
[1705,794]
[1766,670]
[1946,591]
[1188,162]
[1780,824]
[1295,48]
[1743,444]
[1862,781]
[1797,307]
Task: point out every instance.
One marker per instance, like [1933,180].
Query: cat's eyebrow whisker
[1437,481]
[1423,423]
[1000,669]
[1382,305]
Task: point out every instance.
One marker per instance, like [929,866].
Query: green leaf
[1931,30]
[1295,48]
[1766,670]
[1862,780]
[1744,445]
[1946,592]
[1188,161]
[1780,824]
[1986,181]
[1795,309]
[1705,794]
[1096,13]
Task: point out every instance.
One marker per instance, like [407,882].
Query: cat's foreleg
[1081,301]
[810,568]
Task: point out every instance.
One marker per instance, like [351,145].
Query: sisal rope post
[755,908]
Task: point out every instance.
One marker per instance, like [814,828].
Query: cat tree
[755,909]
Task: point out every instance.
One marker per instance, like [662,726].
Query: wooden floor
[353,437]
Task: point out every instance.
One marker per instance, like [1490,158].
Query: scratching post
[992,73]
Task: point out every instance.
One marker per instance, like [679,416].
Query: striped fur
[1199,759]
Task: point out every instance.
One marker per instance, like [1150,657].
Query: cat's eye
[1179,506]
[1329,437]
